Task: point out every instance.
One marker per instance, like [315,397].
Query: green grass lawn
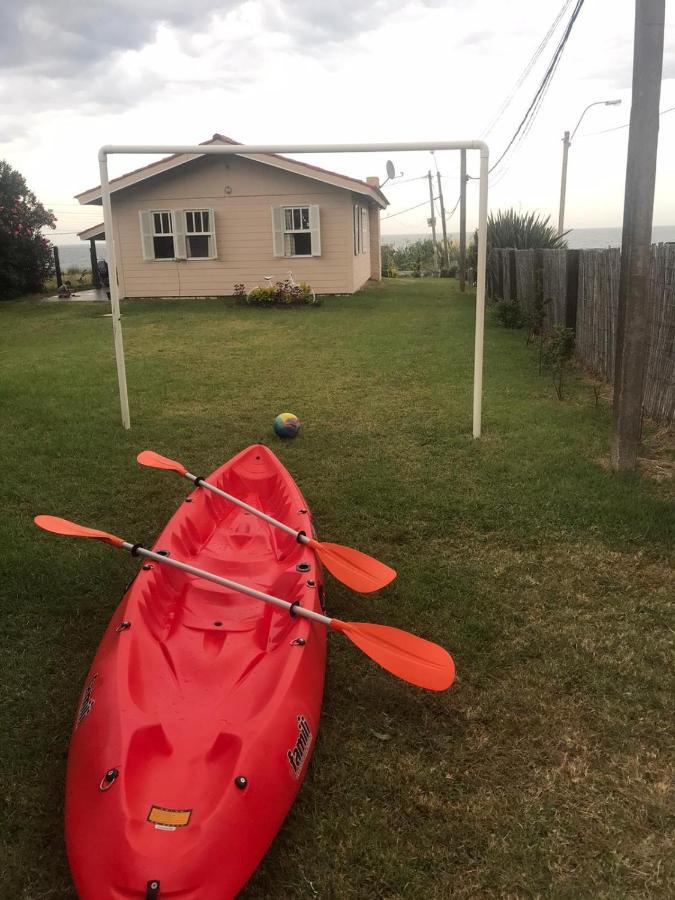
[544,771]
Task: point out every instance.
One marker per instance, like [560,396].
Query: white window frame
[361,229]
[208,233]
[171,234]
[178,221]
[301,230]
[279,230]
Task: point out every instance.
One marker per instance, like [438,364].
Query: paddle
[407,656]
[355,569]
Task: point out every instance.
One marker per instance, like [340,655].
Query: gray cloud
[66,39]
[69,55]
[311,21]
[43,35]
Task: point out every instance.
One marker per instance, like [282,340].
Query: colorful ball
[286,425]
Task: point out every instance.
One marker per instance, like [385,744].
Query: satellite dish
[391,171]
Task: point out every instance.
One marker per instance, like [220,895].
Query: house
[191,226]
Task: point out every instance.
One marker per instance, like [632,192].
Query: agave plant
[509,229]
[523,231]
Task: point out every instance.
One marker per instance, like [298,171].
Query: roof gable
[93,195]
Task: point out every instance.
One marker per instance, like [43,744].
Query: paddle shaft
[201,482]
[225,582]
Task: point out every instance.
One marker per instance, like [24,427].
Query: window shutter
[179,243]
[213,247]
[278,224]
[147,244]
[315,230]
[366,229]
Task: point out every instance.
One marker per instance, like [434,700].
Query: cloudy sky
[82,73]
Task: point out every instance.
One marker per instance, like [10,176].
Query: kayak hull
[201,708]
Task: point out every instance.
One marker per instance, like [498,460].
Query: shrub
[523,231]
[283,293]
[510,229]
[261,296]
[557,352]
[415,257]
[508,313]
[450,272]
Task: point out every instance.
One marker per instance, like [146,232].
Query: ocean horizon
[577,239]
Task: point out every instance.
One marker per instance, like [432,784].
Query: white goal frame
[252,149]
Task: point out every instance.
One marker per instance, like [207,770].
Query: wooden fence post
[572,293]
[513,283]
[499,288]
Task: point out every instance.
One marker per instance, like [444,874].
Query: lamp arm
[597,103]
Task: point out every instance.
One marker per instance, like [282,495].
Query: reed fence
[580,289]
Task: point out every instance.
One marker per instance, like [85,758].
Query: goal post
[253,149]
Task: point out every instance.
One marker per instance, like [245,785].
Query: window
[297,235]
[178,234]
[198,236]
[296,231]
[162,235]
[361,231]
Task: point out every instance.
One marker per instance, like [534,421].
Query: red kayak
[200,711]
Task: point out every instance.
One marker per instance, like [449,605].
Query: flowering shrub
[283,293]
[25,255]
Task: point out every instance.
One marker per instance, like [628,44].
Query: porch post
[96,277]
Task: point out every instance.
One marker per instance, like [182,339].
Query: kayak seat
[209,607]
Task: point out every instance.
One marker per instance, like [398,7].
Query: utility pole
[446,252]
[567,140]
[563,183]
[432,220]
[462,222]
[634,312]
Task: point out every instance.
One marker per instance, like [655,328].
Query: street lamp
[567,140]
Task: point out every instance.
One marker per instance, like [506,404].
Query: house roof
[93,195]
[95,231]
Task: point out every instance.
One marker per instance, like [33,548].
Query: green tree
[25,254]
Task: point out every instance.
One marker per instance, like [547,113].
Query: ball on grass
[286,425]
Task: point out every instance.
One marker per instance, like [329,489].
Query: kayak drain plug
[152,890]
[108,779]
[303,567]
[241,781]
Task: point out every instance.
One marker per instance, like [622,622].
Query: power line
[619,127]
[454,208]
[533,108]
[409,209]
[408,180]
[528,68]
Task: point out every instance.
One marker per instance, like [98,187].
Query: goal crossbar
[254,149]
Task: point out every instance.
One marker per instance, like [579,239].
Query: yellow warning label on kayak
[169,818]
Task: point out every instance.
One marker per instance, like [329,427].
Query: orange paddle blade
[405,655]
[355,569]
[155,461]
[72,529]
